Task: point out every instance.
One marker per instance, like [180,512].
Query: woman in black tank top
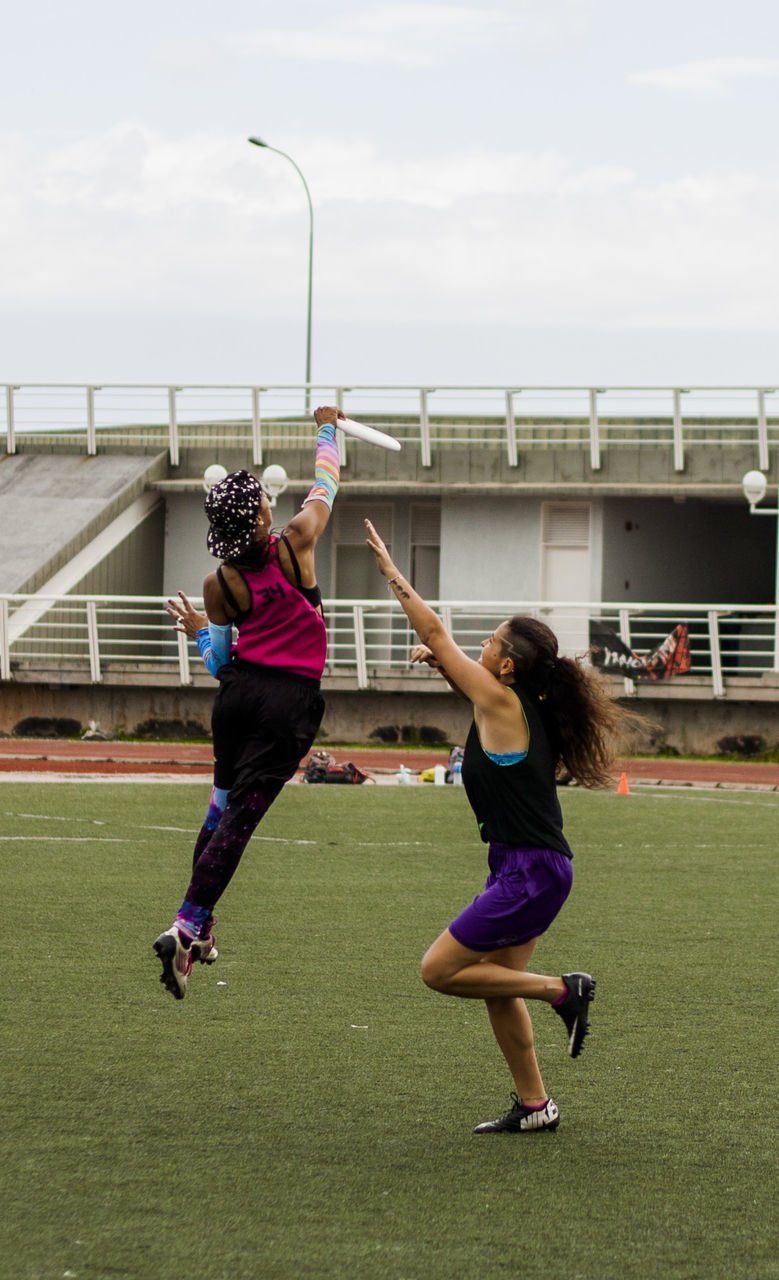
[534,712]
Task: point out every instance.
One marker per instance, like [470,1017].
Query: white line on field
[184,831]
[109,779]
[66,839]
[392,844]
[718,799]
[283,840]
[674,793]
[192,831]
[55,817]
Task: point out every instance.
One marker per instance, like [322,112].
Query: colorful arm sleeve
[214,644]
[327,468]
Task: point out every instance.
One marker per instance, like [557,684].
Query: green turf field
[307,1110]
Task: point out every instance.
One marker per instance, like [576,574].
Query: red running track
[194,759]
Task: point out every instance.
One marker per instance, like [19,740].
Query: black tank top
[516,804]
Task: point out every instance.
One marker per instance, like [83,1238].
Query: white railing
[131,639]
[514,419]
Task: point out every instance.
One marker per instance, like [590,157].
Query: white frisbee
[361,432]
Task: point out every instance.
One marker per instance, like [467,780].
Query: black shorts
[263,723]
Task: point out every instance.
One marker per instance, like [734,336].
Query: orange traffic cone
[623,789]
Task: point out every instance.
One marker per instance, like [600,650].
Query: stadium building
[617,514]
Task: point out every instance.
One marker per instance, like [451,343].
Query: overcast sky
[538,191]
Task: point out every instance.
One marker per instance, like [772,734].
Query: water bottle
[457,773]
[403,776]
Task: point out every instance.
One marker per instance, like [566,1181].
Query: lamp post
[754,485]
[258,142]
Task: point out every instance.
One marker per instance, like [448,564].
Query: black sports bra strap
[293,560]
[226,592]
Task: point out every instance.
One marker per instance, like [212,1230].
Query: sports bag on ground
[321,767]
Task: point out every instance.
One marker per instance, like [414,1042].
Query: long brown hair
[585,724]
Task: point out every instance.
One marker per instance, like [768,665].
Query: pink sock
[186,928]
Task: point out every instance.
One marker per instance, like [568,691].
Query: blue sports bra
[504,757]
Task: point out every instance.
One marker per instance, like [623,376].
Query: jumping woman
[268,707]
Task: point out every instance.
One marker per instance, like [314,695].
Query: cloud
[410,35]
[132,219]
[709,78]
[404,34]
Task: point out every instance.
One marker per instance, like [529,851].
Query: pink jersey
[282,629]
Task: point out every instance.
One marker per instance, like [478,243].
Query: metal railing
[513,419]
[91,638]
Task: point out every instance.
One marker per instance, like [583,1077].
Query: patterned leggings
[263,724]
[220,845]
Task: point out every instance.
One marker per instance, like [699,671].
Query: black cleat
[523,1119]
[575,1009]
[176,955]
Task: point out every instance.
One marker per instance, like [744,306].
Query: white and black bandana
[232,507]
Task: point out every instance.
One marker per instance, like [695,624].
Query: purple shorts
[524,892]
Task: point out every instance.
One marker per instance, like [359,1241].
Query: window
[425,540]
[356,575]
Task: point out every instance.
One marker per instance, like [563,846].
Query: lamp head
[274,481]
[258,142]
[213,475]
[754,486]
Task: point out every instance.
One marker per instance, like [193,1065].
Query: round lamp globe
[274,481]
[754,486]
[213,474]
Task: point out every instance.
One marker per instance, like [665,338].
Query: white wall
[490,548]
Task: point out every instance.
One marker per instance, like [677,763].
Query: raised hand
[327,413]
[186,619]
[384,561]
[421,653]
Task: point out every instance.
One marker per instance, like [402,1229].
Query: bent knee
[434,974]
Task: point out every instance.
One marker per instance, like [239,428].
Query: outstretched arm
[214,642]
[463,674]
[306,527]
[423,619]
[420,653]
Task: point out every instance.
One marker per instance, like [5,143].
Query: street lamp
[274,481]
[258,142]
[754,485]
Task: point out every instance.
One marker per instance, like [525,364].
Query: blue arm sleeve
[214,644]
